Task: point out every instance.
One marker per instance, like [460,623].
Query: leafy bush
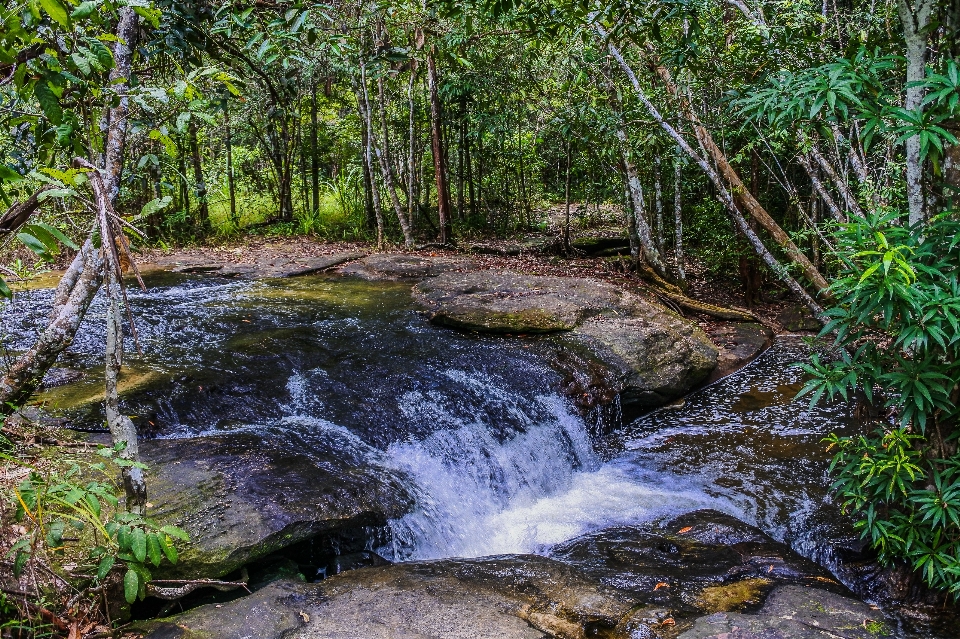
[897,319]
[76,515]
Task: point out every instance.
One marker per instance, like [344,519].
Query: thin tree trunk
[639,223]
[412,182]
[231,184]
[821,190]
[383,155]
[314,159]
[203,211]
[439,157]
[841,184]
[566,199]
[678,216]
[658,201]
[915,17]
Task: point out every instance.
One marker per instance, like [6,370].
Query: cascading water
[498,462]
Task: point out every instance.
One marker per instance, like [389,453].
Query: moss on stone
[732,596]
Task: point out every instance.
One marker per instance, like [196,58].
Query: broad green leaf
[131,585]
[56,10]
[154,550]
[138,544]
[55,232]
[34,245]
[105,565]
[48,102]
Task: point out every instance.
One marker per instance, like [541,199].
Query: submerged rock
[275,266]
[739,343]
[392,267]
[241,499]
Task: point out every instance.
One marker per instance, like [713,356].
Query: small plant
[77,515]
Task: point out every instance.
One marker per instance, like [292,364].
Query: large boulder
[796,612]
[615,342]
[241,499]
[514,597]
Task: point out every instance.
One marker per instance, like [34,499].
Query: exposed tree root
[673,295]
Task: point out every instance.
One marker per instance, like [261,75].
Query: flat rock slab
[399,267]
[507,302]
[515,597]
[280,266]
[241,499]
[796,612]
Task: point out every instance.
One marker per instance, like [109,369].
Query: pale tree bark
[821,190]
[915,17]
[364,108]
[658,201]
[723,194]
[122,430]
[412,196]
[84,276]
[386,165]
[637,223]
[842,186]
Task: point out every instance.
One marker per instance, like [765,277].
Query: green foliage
[897,319]
[77,512]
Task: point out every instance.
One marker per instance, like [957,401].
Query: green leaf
[153,549]
[8,175]
[155,205]
[102,53]
[175,532]
[138,544]
[55,232]
[168,548]
[85,10]
[34,245]
[150,14]
[48,102]
[5,290]
[57,11]
[105,565]
[131,585]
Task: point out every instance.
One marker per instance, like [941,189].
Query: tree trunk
[82,280]
[742,196]
[203,211]
[412,182]
[439,157]
[658,201]
[231,184]
[677,216]
[386,164]
[314,159]
[364,108]
[566,199]
[915,17]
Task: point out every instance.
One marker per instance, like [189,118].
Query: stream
[498,461]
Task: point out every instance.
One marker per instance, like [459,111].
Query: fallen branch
[18,214]
[181,588]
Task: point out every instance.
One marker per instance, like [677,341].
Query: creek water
[498,461]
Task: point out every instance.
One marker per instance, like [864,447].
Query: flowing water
[498,461]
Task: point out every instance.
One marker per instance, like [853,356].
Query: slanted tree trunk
[637,225]
[82,280]
[386,164]
[915,17]
[723,194]
[744,199]
[439,156]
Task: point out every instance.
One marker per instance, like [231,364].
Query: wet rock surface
[796,612]
[704,561]
[241,499]
[392,267]
[739,343]
[618,583]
